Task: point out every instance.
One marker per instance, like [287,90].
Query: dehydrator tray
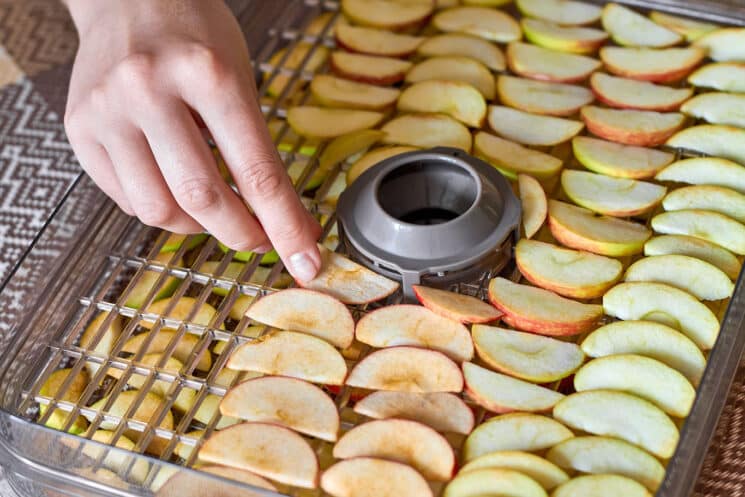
[105,255]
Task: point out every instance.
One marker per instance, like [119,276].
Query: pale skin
[144,71]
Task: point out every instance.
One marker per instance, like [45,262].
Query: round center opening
[427,193]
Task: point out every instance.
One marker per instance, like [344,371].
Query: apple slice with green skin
[536,62]
[570,273]
[664,304]
[267,259]
[663,65]
[526,356]
[515,431]
[620,415]
[148,279]
[119,463]
[371,41]
[573,39]
[455,68]
[705,171]
[627,93]
[361,477]
[345,146]
[619,197]
[723,76]
[539,311]
[490,24]
[493,481]
[455,306]
[234,269]
[542,97]
[629,28]
[581,229]
[287,140]
[407,369]
[689,28]
[331,91]
[287,353]
[105,338]
[699,278]
[531,129]
[368,68]
[427,131]
[457,99]
[185,346]
[707,225]
[632,127]
[695,247]
[372,158]
[534,204]
[293,61]
[73,393]
[547,474]
[295,171]
[288,402]
[463,45]
[183,484]
[209,408]
[322,123]
[403,441]
[717,108]
[616,159]
[268,450]
[444,412]
[512,159]
[386,14]
[564,12]
[175,241]
[724,44]
[601,485]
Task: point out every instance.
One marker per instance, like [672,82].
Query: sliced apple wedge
[632,127]
[403,441]
[293,61]
[456,306]
[547,474]
[708,225]
[150,278]
[444,412]
[345,146]
[542,97]
[717,108]
[493,481]
[462,45]
[454,98]
[373,41]
[512,159]
[534,204]
[336,92]
[724,44]
[540,311]
[322,123]
[183,484]
[689,28]
[185,346]
[514,431]
[361,477]
[572,39]
[372,158]
[292,354]
[619,197]
[118,462]
[99,340]
[570,273]
[455,68]
[616,159]
[527,356]
[426,131]
[629,28]
[699,278]
[564,12]
[664,65]
[581,229]
[368,68]
[490,24]
[706,171]
[185,309]
[407,369]
[627,93]
[541,63]
[664,304]
[72,393]
[606,485]
[620,415]
[531,129]
[386,14]
[695,247]
[723,76]
[263,449]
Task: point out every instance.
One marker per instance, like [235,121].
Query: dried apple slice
[454,98]
[632,127]
[541,63]
[695,247]
[717,108]
[455,44]
[663,65]
[292,354]
[455,68]
[185,346]
[727,142]
[531,129]
[336,92]
[73,393]
[372,158]
[689,28]
[629,28]
[456,306]
[664,304]
[183,484]
[386,14]
[546,473]
[570,273]
[564,12]
[120,463]
[444,412]
[373,41]
[572,39]
[611,485]
[345,146]
[407,369]
[707,225]
[268,450]
[542,97]
[512,159]
[724,44]
[403,441]
[723,76]
[616,159]
[534,204]
[699,278]
[540,311]
[426,131]
[361,477]
[493,481]
[368,68]
[619,197]
[490,24]
[705,171]
[293,61]
[627,93]
[106,338]
[321,123]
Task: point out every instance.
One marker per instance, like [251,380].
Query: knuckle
[74,119]
[211,67]
[155,213]
[99,99]
[196,195]
[262,177]
[136,75]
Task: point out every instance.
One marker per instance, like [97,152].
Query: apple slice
[723,76]
[444,412]
[455,306]
[531,129]
[148,279]
[711,226]
[534,204]
[372,158]
[336,92]
[526,356]
[717,108]
[572,39]
[185,347]
[641,95]
[541,63]
[373,41]
[632,127]
[547,474]
[699,278]
[209,409]
[298,54]
[292,354]
[407,369]
[490,24]
[564,12]
[664,304]
[118,462]
[427,131]
[629,28]
[514,431]
[724,44]
[706,171]
[345,146]
[512,159]
[386,14]
[493,481]
[268,450]
[570,273]
[664,65]
[606,485]
[540,311]
[581,229]
[322,123]
[368,68]
[620,415]
[695,247]
[73,393]
[455,68]
[616,159]
[183,484]
[542,97]
[619,197]
[689,28]
[105,338]
[462,45]
[185,309]
[486,3]
[454,98]
[361,477]
[403,441]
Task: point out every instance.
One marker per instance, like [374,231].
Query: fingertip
[304,266]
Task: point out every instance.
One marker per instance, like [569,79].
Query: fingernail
[263,249]
[303,267]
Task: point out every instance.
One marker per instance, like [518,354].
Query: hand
[144,69]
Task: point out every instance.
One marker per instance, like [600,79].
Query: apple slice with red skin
[532,129]
[185,484]
[331,91]
[387,14]
[373,41]
[532,61]
[627,93]
[630,28]
[564,12]
[457,99]
[632,127]
[662,65]
[372,477]
[322,123]
[573,39]
[542,97]
[493,481]
[368,69]
[490,24]
[618,160]
[456,306]
[534,203]
[618,197]
[455,68]
[426,131]
[463,45]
